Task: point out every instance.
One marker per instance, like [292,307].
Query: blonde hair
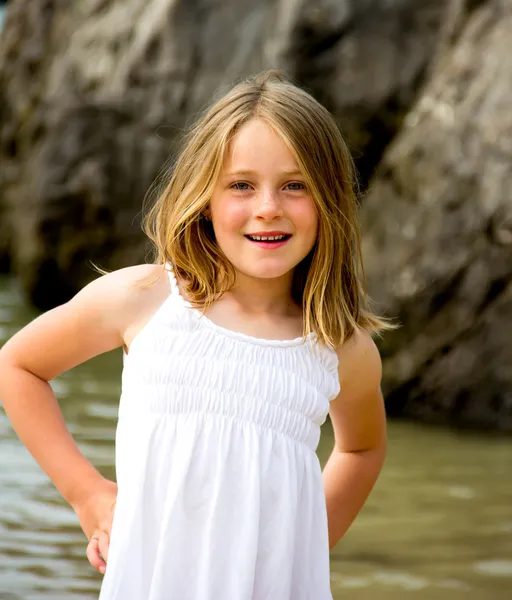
[326,283]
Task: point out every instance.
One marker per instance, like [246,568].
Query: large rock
[94,94]
[438,236]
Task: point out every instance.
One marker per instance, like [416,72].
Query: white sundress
[220,493]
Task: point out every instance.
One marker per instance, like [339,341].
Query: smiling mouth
[270,239]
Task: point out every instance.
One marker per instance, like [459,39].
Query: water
[438,525]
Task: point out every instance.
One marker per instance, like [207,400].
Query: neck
[263,296]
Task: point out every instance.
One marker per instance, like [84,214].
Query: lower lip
[269,245]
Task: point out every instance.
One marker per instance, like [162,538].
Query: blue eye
[297,186]
[240,186]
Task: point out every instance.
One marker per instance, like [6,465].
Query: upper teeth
[268,237]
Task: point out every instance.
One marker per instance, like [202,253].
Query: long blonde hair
[327,282]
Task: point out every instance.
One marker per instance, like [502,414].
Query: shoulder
[124,295]
[360,364]
[128,279]
[94,321]
[126,287]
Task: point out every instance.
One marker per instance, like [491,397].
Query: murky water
[438,525]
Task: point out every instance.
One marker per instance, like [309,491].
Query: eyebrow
[251,172]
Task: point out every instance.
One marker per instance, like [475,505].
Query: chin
[264,272]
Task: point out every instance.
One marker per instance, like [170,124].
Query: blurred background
[94,96]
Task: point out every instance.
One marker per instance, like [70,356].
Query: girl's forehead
[258,146]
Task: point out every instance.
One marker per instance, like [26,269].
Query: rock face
[94,94]
[438,236]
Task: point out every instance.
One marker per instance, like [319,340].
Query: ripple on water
[461,491]
[496,568]
[60,388]
[453,584]
[27,550]
[91,387]
[403,580]
[17,479]
[33,513]
[352,582]
[103,410]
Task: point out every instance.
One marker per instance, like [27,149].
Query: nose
[268,205]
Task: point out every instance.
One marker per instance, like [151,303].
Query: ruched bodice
[220,489]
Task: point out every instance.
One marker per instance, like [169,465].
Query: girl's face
[261,192]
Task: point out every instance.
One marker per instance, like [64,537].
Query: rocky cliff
[94,95]
[438,236]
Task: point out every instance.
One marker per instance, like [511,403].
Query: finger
[104,543]
[93,555]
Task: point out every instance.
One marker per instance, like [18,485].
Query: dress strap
[172,279]
[175,290]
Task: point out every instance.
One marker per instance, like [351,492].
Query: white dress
[220,493]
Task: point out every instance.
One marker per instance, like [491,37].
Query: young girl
[249,328]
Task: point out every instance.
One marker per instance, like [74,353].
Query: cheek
[229,216]
[306,217]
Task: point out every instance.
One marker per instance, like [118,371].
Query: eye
[239,186]
[296,186]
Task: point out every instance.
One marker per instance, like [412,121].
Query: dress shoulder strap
[175,290]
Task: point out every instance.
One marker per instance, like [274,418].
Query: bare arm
[95,321]
[106,314]
[359,423]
